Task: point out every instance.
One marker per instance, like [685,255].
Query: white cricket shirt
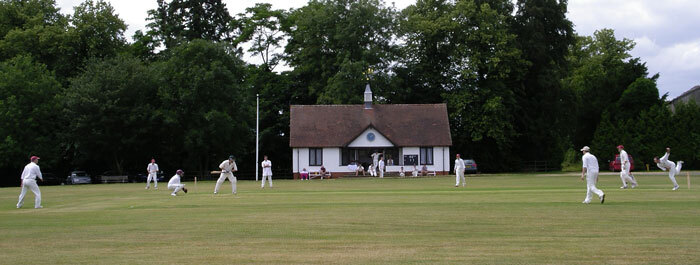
[590,162]
[31,171]
[152,168]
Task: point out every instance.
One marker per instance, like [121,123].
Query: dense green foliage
[518,82]
[179,21]
[30,122]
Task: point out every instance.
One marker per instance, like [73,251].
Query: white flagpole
[257,130]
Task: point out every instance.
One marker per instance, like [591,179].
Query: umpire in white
[590,172]
[459,171]
[29,175]
[266,172]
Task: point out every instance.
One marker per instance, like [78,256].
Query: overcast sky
[667,32]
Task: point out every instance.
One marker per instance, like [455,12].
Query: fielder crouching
[174,183]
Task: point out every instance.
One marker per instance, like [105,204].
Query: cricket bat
[216,172]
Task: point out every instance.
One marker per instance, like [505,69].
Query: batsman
[227,168]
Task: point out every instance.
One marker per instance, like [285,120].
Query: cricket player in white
[625,166]
[667,165]
[382,166]
[459,171]
[590,173]
[267,172]
[152,169]
[174,183]
[375,162]
[227,168]
[28,181]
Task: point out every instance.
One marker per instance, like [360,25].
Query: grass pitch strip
[496,219]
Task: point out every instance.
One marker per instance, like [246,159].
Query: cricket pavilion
[336,136]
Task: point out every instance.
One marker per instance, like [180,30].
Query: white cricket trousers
[30,184]
[626,177]
[675,169]
[591,177]
[381,173]
[154,177]
[269,179]
[459,176]
[176,187]
[223,178]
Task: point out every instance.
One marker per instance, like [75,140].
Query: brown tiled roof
[338,125]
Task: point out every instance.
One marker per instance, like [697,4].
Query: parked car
[142,177]
[470,166]
[78,177]
[112,177]
[51,179]
[616,166]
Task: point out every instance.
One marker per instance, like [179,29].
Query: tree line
[519,83]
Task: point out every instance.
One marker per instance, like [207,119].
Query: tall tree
[207,108]
[263,28]
[602,69]
[425,67]
[112,107]
[463,53]
[639,96]
[333,43]
[544,115]
[97,31]
[28,111]
[36,28]
[483,104]
[25,14]
[143,46]
[275,97]
[185,20]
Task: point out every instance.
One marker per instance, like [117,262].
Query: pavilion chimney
[368,97]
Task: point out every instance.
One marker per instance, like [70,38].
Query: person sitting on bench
[304,174]
[324,172]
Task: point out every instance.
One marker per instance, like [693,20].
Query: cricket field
[496,219]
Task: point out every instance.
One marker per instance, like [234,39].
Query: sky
[667,33]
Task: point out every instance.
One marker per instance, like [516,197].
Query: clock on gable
[370,137]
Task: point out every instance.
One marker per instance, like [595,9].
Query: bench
[114,179]
[317,174]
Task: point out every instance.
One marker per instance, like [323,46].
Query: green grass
[497,219]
